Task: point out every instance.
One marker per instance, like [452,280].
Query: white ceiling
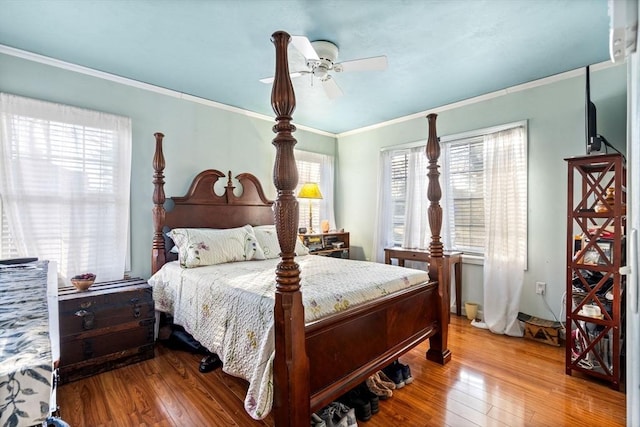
[439,51]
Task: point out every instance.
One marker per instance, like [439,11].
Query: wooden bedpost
[438,351]
[157,249]
[291,366]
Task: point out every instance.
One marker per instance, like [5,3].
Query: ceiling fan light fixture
[321,72]
[320,59]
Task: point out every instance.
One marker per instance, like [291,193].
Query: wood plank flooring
[492,380]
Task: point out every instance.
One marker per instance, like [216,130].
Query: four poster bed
[313,353]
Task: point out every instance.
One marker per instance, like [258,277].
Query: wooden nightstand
[106,327]
[327,244]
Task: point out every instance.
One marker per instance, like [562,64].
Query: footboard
[347,347]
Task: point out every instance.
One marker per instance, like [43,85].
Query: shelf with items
[335,244]
[596,222]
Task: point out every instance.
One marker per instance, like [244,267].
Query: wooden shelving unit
[322,243]
[596,222]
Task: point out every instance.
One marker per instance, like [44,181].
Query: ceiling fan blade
[331,88]
[303,45]
[365,64]
[292,75]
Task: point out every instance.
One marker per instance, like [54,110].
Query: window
[308,171]
[404,199]
[403,219]
[64,185]
[318,168]
[465,194]
[399,171]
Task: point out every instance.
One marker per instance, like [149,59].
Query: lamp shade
[310,190]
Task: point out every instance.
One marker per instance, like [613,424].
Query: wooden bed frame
[316,362]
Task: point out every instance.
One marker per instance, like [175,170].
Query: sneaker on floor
[359,403]
[394,373]
[347,415]
[331,417]
[406,373]
[316,421]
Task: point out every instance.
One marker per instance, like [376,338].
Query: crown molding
[7,50]
[34,57]
[513,89]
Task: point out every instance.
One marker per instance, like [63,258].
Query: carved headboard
[202,207]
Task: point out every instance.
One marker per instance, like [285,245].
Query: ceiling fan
[321,56]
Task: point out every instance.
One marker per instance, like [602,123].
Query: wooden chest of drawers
[109,326]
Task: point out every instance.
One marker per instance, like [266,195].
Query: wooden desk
[450,258]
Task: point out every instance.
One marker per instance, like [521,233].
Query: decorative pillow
[268,241]
[198,247]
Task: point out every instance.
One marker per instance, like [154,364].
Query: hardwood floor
[492,380]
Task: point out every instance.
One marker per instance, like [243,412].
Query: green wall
[200,136]
[197,136]
[555,115]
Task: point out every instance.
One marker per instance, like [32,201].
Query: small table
[449,258]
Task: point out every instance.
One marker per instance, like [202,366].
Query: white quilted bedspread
[229,307]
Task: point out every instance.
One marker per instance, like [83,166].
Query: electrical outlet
[541,287]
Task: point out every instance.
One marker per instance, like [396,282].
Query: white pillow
[208,246]
[268,241]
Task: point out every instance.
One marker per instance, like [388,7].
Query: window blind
[465,195]
[65,186]
[399,172]
[308,171]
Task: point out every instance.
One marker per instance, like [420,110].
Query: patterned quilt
[26,368]
[229,307]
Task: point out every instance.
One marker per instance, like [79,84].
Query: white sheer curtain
[445,201]
[383,232]
[326,188]
[64,183]
[315,167]
[416,230]
[506,228]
